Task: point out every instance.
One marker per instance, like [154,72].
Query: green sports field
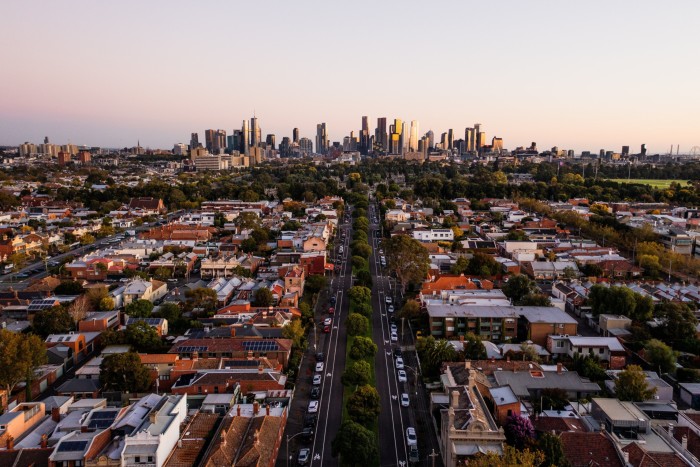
[652,183]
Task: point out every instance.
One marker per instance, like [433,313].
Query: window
[137,459]
[150,459]
[216,389]
[560,344]
[601,350]
[164,377]
[199,389]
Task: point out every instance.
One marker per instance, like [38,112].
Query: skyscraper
[430,140]
[497,144]
[295,135]
[321,138]
[380,135]
[305,147]
[413,139]
[364,136]
[443,141]
[219,141]
[395,137]
[450,138]
[270,141]
[469,139]
[194,141]
[255,135]
[209,136]
[245,135]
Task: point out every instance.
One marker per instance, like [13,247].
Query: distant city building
[245,134]
[270,141]
[63,158]
[180,149]
[413,138]
[295,135]
[396,137]
[305,147]
[380,134]
[450,138]
[84,157]
[194,141]
[497,144]
[255,132]
[321,138]
[365,138]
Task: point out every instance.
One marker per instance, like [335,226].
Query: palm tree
[441,352]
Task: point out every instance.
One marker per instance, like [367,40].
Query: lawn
[658,184]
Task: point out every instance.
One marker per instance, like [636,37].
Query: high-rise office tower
[478,143]
[430,140]
[497,144]
[209,136]
[245,135]
[395,138]
[305,147]
[321,138]
[219,141]
[480,140]
[625,150]
[255,135]
[284,146]
[413,139]
[469,139]
[450,138]
[295,135]
[194,141]
[380,134]
[403,140]
[443,141]
[364,136]
[46,140]
[643,150]
[270,141]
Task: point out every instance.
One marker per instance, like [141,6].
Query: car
[320,357]
[21,275]
[172,280]
[402,376]
[411,438]
[394,337]
[399,363]
[326,329]
[331,311]
[405,401]
[388,300]
[304,456]
[319,367]
[398,352]
[328,321]
[307,433]
[390,308]
[393,327]
[315,391]
[381,251]
[313,407]
[310,421]
[392,319]
[332,300]
[317,380]
[413,455]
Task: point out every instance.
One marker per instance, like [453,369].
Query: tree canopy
[363,405]
[631,385]
[20,356]
[139,309]
[124,372]
[407,258]
[55,320]
[355,444]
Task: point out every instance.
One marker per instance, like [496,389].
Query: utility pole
[433,455]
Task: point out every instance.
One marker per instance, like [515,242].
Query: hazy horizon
[578,76]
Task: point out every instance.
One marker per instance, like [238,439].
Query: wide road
[332,344]
[394,418]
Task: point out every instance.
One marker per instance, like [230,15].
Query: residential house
[608,350]
[538,322]
[139,289]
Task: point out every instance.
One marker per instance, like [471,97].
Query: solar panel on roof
[68,446]
[242,363]
[100,423]
[260,346]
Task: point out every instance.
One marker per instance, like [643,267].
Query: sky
[577,75]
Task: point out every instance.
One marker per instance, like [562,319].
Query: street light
[289,438]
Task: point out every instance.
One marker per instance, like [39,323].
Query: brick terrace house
[254,379]
[234,347]
[147,206]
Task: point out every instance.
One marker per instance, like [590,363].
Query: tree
[678,320]
[95,295]
[631,385]
[170,312]
[551,399]
[358,262]
[518,287]
[660,356]
[357,324]
[124,372]
[364,278]
[87,239]
[106,304]
[163,273]
[314,284]
[519,431]
[363,405]
[263,297]
[201,297]
[362,348]
[359,295]
[407,258]
[460,266]
[20,356]
[357,374]
[483,264]
[570,273]
[355,444]
[55,320]
[550,445]
[473,347]
[360,248]
[410,310]
[79,308]
[294,331]
[18,260]
[535,299]
[142,337]
[511,457]
[69,288]
[139,309]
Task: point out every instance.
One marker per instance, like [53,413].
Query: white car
[402,376]
[313,407]
[319,367]
[405,401]
[399,363]
[390,309]
[317,380]
[394,328]
[388,300]
[394,337]
[328,321]
[411,438]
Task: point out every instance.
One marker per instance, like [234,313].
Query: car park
[319,367]
[411,438]
[402,376]
[313,407]
[317,380]
[405,401]
[394,337]
[315,392]
[304,455]
[399,363]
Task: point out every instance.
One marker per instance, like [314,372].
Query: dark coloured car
[332,300]
[307,434]
[310,421]
[326,329]
[398,352]
[320,357]
[315,392]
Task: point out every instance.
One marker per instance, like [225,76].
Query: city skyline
[582,77]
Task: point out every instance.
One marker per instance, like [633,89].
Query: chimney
[559,368]
[44,441]
[684,442]
[454,399]
[238,410]
[152,416]
[508,359]
[467,364]
[602,427]
[10,443]
[260,369]
[233,331]
[256,407]
[267,410]
[195,355]
[83,429]
[56,414]
[461,338]
[626,457]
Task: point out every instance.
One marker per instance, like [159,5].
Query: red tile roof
[586,449]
